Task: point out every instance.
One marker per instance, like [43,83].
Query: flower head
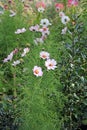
[9,57]
[20,31]
[64,30]
[59,6]
[45,22]
[61,14]
[26,50]
[50,64]
[41,9]
[44,55]
[16,63]
[34,28]
[37,71]
[65,19]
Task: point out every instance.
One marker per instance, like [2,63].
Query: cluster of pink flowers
[60,6]
[10,56]
[44,30]
[50,64]
[73,3]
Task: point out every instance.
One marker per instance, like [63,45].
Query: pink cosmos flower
[44,55]
[59,6]
[73,2]
[61,14]
[34,28]
[64,30]
[50,64]
[45,31]
[37,71]
[40,4]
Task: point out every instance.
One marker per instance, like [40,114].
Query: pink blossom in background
[59,6]
[40,4]
[37,71]
[73,2]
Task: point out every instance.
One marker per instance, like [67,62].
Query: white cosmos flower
[65,19]
[61,14]
[44,55]
[16,63]
[37,71]
[9,57]
[20,31]
[41,9]
[38,40]
[50,64]
[26,50]
[64,30]
[45,22]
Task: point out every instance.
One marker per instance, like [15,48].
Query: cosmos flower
[61,14]
[59,6]
[38,40]
[41,9]
[16,63]
[34,28]
[50,64]
[9,57]
[44,55]
[37,71]
[45,22]
[15,51]
[64,30]
[20,31]
[26,50]
[65,19]
[45,31]
[12,13]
